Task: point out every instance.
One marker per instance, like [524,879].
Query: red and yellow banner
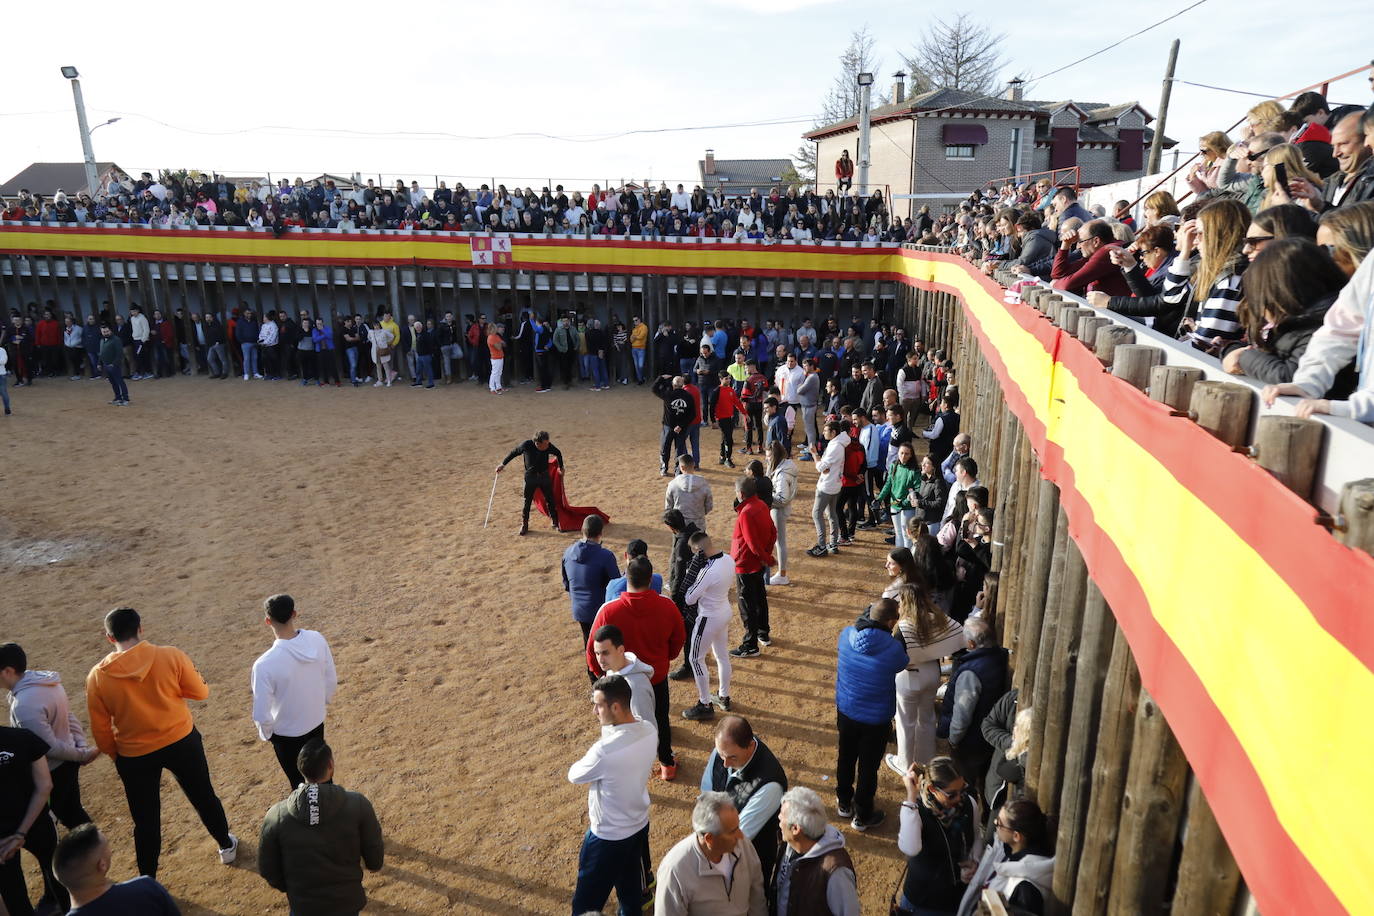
[599,254]
[1250,623]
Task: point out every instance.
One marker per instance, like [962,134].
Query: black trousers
[326,366]
[861,747]
[142,778]
[40,842]
[727,438]
[271,363]
[852,503]
[566,366]
[873,483]
[753,607]
[535,484]
[664,720]
[541,368]
[753,436]
[288,748]
[65,800]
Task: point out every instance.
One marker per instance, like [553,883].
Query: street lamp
[92,178]
[103,123]
[865,81]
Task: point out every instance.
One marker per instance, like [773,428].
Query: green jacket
[900,480]
[314,845]
[111,351]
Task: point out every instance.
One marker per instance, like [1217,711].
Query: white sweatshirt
[269,334]
[138,327]
[1346,333]
[640,675]
[710,591]
[832,464]
[292,683]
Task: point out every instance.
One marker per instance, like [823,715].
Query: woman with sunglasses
[939,823]
[1018,862]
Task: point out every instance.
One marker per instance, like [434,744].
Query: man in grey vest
[743,766]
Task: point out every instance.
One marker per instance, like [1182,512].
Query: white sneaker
[894,764]
[245,378]
[227,856]
[779,579]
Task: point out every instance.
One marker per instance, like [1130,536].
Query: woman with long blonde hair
[1290,157]
[1208,287]
[929,635]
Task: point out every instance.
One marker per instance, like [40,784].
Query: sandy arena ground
[462,696]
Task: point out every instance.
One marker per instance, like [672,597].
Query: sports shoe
[765,639]
[819,550]
[779,579]
[668,771]
[868,526]
[890,540]
[844,810]
[834,549]
[745,652]
[682,673]
[227,856]
[524,529]
[846,542]
[872,820]
[699,712]
[722,701]
[894,764]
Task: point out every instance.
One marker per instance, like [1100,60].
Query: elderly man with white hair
[713,872]
[815,876]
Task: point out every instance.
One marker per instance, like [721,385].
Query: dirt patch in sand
[462,697]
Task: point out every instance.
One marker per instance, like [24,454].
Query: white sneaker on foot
[227,856]
[779,579]
[894,764]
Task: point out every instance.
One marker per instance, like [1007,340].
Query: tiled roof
[46,177]
[735,173]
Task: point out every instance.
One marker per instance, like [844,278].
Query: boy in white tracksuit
[828,487]
[710,592]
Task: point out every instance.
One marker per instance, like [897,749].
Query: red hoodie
[48,333]
[751,543]
[696,399]
[728,403]
[651,625]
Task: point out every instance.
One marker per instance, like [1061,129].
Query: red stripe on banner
[1276,870]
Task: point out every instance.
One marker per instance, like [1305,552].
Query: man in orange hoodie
[135,697]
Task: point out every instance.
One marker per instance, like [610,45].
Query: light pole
[865,89]
[92,179]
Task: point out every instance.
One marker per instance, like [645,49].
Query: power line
[1262,95]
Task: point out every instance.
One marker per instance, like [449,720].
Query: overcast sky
[262,87]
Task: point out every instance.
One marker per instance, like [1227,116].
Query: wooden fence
[1137,735]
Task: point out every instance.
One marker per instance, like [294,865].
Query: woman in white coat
[782,470]
[929,635]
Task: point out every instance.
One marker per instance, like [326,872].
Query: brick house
[963,141]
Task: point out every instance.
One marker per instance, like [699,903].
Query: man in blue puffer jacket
[865,701]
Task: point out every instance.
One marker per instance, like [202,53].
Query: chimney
[899,87]
[1014,93]
[710,168]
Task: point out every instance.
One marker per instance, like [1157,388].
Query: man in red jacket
[47,337]
[1095,271]
[653,630]
[751,544]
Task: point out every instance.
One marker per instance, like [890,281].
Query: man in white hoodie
[609,644]
[711,574]
[815,862]
[292,683]
[689,493]
[138,328]
[828,487]
[38,702]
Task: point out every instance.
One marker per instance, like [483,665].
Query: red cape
[570,518]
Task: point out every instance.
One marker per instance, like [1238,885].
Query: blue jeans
[600,377]
[638,354]
[685,367]
[121,390]
[694,434]
[425,365]
[250,359]
[352,364]
[606,864]
[5,391]
[586,368]
[899,522]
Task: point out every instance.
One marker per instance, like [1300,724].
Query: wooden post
[1357,512]
[1088,326]
[1150,813]
[1208,877]
[1108,338]
[1026,645]
[1132,363]
[1069,317]
[1046,664]
[1114,736]
[1288,448]
[1223,409]
[1094,650]
[1173,385]
[1045,769]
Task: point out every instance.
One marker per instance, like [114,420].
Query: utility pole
[865,93]
[92,177]
[1157,144]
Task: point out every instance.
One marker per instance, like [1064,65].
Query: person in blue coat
[865,701]
[587,569]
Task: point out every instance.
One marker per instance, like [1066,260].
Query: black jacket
[536,461]
[678,405]
[1362,188]
[1276,363]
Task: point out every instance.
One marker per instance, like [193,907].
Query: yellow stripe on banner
[1297,700]
[715,257]
[211,245]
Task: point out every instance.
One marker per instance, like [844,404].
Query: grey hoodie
[38,702]
[640,675]
[690,494]
[841,891]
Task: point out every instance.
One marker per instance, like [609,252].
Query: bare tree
[803,164]
[842,101]
[958,54]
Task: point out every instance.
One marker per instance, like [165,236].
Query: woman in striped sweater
[1208,287]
